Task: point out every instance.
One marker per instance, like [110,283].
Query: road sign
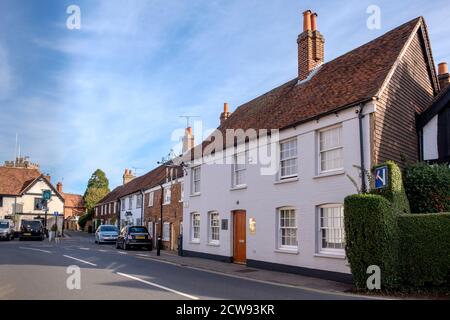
[381,177]
[46,194]
[56,213]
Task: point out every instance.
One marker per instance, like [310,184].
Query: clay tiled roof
[73,200]
[352,78]
[147,181]
[14,180]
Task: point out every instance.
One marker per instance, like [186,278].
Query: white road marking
[121,252]
[143,255]
[34,249]
[85,248]
[159,286]
[103,250]
[83,261]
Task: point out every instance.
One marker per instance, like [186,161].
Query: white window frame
[166,232]
[130,203]
[339,235]
[151,198]
[213,229]
[239,169]
[289,158]
[195,235]
[194,180]
[321,152]
[167,192]
[181,191]
[123,204]
[150,228]
[138,201]
[280,229]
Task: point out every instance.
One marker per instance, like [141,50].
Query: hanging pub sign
[381,177]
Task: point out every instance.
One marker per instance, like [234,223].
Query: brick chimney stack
[128,176]
[444,76]
[225,114]
[59,187]
[311,46]
[188,140]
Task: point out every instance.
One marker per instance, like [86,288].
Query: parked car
[134,237]
[6,230]
[106,233]
[31,230]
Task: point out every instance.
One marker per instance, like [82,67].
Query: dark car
[31,230]
[134,237]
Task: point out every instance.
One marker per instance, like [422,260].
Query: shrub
[425,250]
[84,219]
[371,238]
[428,187]
[395,191]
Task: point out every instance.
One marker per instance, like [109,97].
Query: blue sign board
[56,213]
[47,194]
[381,177]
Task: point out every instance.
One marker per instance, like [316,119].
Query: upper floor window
[195,227]
[38,204]
[288,159]
[130,203]
[182,191]
[195,180]
[331,229]
[139,201]
[287,233]
[330,149]
[123,204]
[1,201]
[239,169]
[151,197]
[167,195]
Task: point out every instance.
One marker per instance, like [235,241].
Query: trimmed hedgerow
[395,191]
[425,250]
[428,187]
[371,238]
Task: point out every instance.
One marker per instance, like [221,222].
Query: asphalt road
[39,270]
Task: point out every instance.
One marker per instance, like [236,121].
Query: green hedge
[428,187]
[84,219]
[425,250]
[395,191]
[371,238]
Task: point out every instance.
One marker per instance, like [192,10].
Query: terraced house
[335,116]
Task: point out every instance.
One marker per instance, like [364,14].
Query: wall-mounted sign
[381,177]
[46,194]
[252,225]
[128,214]
[224,224]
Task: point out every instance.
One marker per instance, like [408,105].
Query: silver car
[106,233]
[6,230]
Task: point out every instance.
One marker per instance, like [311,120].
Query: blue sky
[110,95]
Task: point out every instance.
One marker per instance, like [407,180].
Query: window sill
[166,204]
[195,195]
[194,242]
[289,180]
[242,187]
[330,256]
[288,251]
[212,244]
[330,174]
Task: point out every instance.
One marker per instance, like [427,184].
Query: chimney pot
[307,20]
[443,68]
[314,22]
[59,187]
[225,107]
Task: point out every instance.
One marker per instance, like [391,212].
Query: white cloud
[6,75]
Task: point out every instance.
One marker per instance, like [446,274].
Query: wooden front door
[239,237]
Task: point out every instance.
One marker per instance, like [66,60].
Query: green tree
[97,188]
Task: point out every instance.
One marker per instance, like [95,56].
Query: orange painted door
[239,238]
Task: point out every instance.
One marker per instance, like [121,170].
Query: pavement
[43,270]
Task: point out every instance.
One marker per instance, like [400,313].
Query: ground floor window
[150,228]
[166,231]
[195,227]
[287,223]
[331,229]
[214,228]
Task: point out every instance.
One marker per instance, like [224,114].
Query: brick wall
[172,213]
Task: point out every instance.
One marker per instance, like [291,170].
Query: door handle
[241,241]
